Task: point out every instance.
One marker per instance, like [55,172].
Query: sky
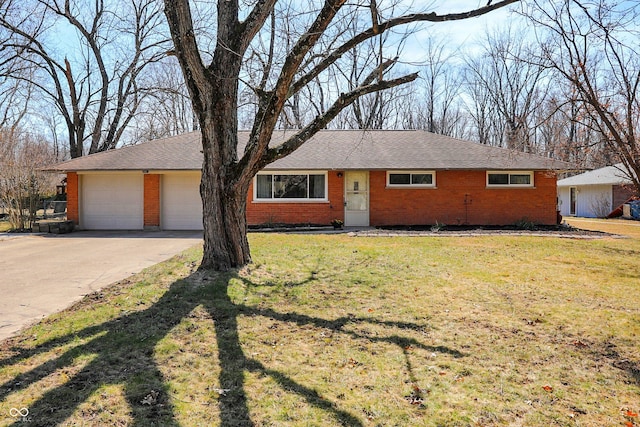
[463,34]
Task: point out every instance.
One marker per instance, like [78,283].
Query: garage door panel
[112,202]
[181,202]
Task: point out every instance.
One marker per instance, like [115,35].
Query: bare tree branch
[385,26]
[606,84]
[343,101]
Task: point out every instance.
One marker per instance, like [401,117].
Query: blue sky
[459,35]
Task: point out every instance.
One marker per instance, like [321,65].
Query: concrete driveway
[43,274]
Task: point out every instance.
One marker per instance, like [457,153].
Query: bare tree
[564,131]
[488,129]
[21,153]
[15,96]
[366,62]
[22,182]
[508,86]
[166,110]
[214,90]
[435,99]
[594,47]
[94,83]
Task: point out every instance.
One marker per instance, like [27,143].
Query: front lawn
[333,330]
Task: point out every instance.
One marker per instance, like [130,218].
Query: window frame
[509,173]
[307,199]
[410,173]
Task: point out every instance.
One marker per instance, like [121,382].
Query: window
[510,179]
[290,186]
[411,179]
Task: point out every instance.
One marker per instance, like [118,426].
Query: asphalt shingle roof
[327,150]
[609,175]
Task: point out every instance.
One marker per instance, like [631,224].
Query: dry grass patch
[336,330]
[625,227]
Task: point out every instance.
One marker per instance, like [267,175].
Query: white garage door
[112,202]
[181,203]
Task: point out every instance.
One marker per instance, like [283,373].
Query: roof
[609,175]
[327,150]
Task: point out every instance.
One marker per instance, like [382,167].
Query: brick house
[375,178]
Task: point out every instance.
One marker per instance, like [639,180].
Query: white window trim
[510,172]
[420,172]
[301,172]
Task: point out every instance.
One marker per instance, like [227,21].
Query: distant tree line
[558,79]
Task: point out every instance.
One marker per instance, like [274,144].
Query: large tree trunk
[214,96]
[225,225]
[223,187]
[224,205]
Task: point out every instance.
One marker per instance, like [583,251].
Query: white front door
[356,196]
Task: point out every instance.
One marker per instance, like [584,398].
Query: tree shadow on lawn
[122,352]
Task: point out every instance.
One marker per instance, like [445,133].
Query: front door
[573,200]
[356,210]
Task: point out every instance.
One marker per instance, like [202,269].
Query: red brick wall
[446,203]
[300,213]
[621,194]
[151,200]
[73,212]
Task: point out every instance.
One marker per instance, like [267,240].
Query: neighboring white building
[595,193]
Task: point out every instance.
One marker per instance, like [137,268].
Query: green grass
[336,330]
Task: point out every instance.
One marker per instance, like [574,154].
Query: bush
[525,224]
